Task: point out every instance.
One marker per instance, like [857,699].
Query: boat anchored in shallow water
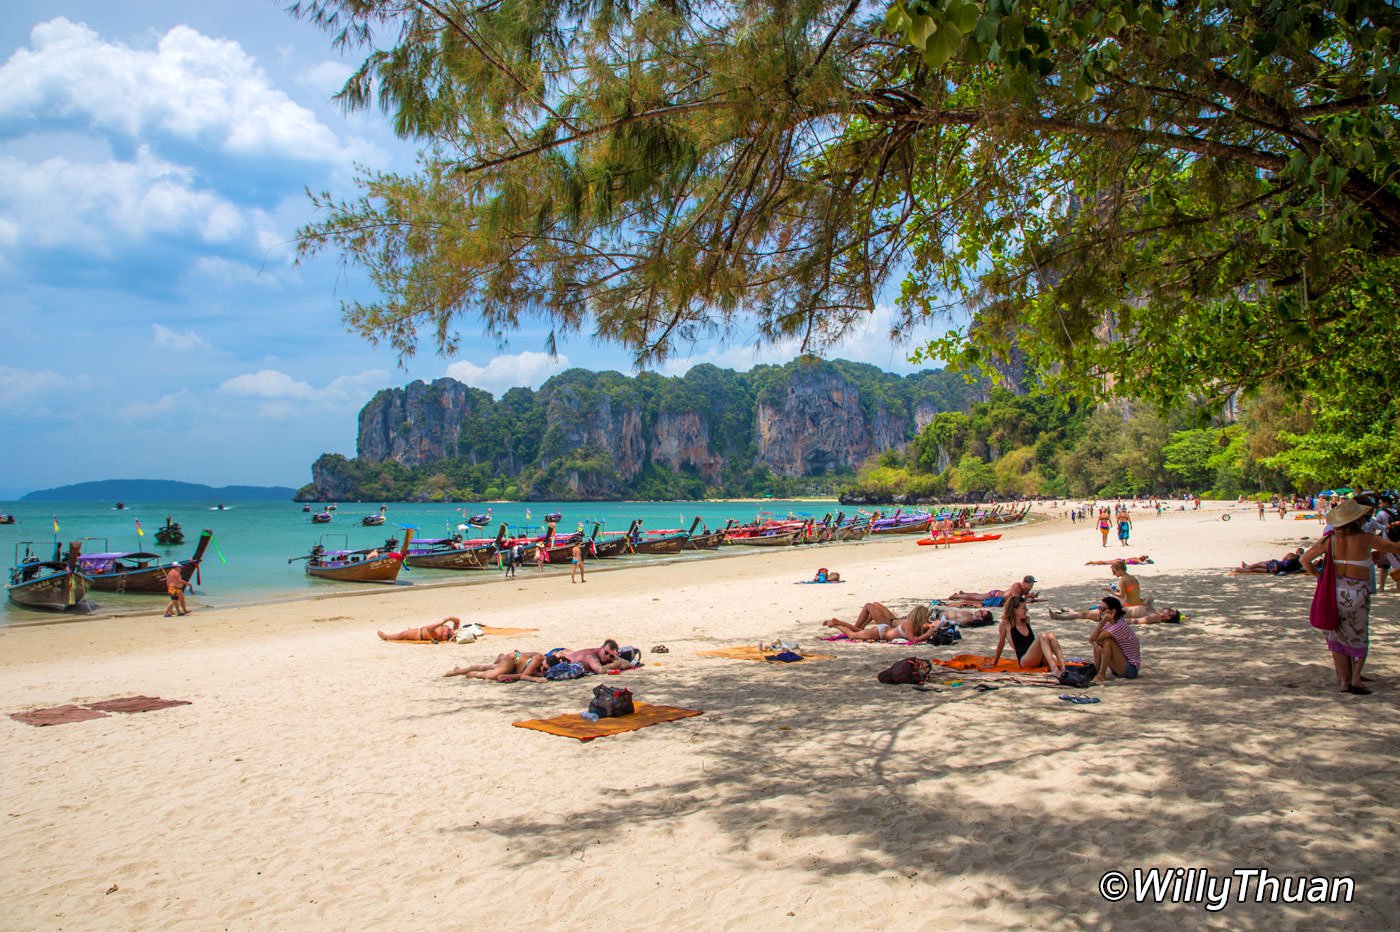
[374,564]
[55,585]
[137,571]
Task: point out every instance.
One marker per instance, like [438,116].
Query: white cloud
[166,338]
[283,396]
[97,205]
[228,272]
[526,369]
[23,386]
[191,86]
[327,77]
[153,410]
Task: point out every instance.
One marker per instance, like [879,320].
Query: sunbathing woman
[444,630]
[1136,615]
[1131,561]
[916,628]
[1031,651]
[507,668]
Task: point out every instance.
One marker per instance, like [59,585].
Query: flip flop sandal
[1081,700]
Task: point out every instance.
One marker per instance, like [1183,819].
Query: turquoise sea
[248,561]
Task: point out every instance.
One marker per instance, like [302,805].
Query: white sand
[322,778]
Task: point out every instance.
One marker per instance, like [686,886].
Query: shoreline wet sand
[323,777]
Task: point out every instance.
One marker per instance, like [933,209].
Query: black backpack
[1078,675]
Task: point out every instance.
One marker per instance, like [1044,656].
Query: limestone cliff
[604,435]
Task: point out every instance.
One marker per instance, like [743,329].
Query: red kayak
[957,539]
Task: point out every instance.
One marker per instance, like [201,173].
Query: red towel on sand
[983,662]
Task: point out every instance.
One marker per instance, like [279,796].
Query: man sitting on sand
[1291,562]
[506,668]
[994,598]
[444,630]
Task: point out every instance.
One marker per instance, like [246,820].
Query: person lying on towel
[1134,615]
[506,668]
[995,598]
[916,628]
[444,630]
[1291,562]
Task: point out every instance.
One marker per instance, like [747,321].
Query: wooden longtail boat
[7,519]
[321,517]
[614,546]
[54,585]
[710,540]
[374,520]
[446,553]
[917,525]
[773,539]
[171,533]
[137,571]
[371,565]
[673,543]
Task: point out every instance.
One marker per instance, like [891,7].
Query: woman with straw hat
[1350,549]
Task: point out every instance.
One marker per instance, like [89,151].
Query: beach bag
[913,670]
[611,701]
[1078,675]
[1323,614]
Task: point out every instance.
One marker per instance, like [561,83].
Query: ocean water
[249,559]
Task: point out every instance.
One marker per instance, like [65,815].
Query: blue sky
[153,163]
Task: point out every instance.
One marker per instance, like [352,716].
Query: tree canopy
[1140,197]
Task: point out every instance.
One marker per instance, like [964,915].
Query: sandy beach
[321,778]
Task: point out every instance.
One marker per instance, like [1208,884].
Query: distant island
[159,490]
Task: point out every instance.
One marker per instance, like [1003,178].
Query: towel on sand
[842,636]
[63,714]
[750,652]
[983,662]
[576,726]
[58,715]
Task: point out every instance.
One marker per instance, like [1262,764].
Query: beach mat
[751,652]
[575,726]
[845,639]
[984,663]
[506,632]
[57,715]
[131,704]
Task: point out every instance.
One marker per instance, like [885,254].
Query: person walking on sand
[576,558]
[175,584]
[1125,527]
[1105,525]
[541,558]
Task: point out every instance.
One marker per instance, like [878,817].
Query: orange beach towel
[983,662]
[576,726]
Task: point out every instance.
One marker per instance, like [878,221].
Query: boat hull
[607,549]
[383,569]
[663,546]
[147,580]
[476,558]
[58,592]
[765,540]
[913,527]
[710,541]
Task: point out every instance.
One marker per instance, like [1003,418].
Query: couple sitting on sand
[531,665]
[1116,646]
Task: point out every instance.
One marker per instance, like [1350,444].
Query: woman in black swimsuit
[1031,651]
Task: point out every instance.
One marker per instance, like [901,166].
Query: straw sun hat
[1347,512]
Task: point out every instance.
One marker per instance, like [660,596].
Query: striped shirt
[1127,640]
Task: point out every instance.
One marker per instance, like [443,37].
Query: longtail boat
[615,545]
[137,571]
[379,564]
[170,534]
[764,538]
[321,517]
[709,540]
[7,519]
[671,543]
[55,585]
[449,553]
[902,524]
[374,520]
